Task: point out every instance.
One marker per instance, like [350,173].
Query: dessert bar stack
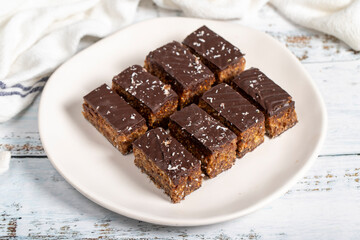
[113,117]
[238,114]
[168,164]
[174,64]
[276,104]
[223,58]
[206,138]
[190,111]
[153,99]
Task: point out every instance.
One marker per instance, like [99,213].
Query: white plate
[96,169]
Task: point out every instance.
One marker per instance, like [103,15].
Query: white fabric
[214,9]
[36,36]
[340,18]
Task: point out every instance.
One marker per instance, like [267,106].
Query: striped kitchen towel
[37,36]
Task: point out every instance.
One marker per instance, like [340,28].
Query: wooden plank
[21,135]
[340,87]
[37,202]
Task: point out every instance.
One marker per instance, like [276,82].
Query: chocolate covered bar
[153,99]
[113,117]
[175,65]
[238,114]
[223,58]
[206,138]
[168,164]
[276,104]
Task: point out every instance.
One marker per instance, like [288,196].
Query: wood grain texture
[21,134]
[39,202]
[36,202]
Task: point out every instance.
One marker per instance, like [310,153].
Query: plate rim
[204,221]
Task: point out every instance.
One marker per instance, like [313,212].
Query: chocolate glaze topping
[147,88]
[179,63]
[113,108]
[270,96]
[213,48]
[168,154]
[211,133]
[233,107]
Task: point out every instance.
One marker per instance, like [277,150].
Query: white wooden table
[36,202]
